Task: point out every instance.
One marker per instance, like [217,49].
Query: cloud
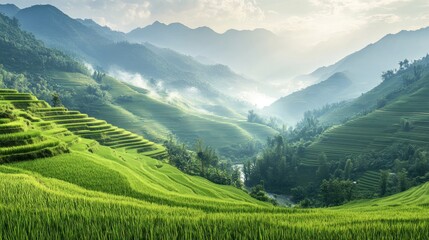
[235,9]
[387,18]
[128,14]
[353,5]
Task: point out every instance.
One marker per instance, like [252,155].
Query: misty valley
[131,120]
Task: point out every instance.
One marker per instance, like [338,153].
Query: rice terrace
[116,125]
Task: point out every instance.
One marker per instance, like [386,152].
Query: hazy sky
[344,24]
[318,17]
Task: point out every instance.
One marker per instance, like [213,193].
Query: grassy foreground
[40,208]
[55,184]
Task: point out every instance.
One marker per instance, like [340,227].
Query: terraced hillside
[82,125]
[378,129]
[369,183]
[404,120]
[106,134]
[147,116]
[50,141]
[135,109]
[83,190]
[77,213]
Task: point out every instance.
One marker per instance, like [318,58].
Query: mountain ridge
[365,67]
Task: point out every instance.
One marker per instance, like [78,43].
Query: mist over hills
[256,53]
[291,108]
[215,84]
[106,138]
[363,69]
[104,48]
[104,31]
[43,71]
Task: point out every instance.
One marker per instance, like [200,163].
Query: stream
[281,199]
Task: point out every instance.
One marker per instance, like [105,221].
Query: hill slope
[364,68]
[9,10]
[79,194]
[161,69]
[134,109]
[258,52]
[122,168]
[292,107]
[387,134]
[49,71]
[380,128]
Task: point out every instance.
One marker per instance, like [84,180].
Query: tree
[56,101]
[15,22]
[180,157]
[384,177]
[335,192]
[407,80]
[348,169]
[259,193]
[254,118]
[98,76]
[381,103]
[206,155]
[247,171]
[387,75]
[236,178]
[251,116]
[404,64]
[417,70]
[402,180]
[323,170]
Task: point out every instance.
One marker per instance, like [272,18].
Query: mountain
[363,68]
[57,30]
[382,131]
[292,107]
[9,10]
[257,53]
[104,31]
[133,108]
[20,52]
[161,70]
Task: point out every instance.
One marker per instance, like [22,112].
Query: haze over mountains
[153,134]
[264,51]
[160,69]
[43,71]
[148,63]
[360,72]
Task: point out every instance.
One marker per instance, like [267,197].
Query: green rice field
[66,175]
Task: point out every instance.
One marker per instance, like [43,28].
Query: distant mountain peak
[178,25]
[88,20]
[158,23]
[44,9]
[9,5]
[44,6]
[9,9]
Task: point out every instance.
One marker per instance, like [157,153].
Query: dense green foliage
[121,104]
[396,83]
[21,52]
[204,162]
[380,153]
[65,175]
[79,194]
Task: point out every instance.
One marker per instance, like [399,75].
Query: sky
[310,20]
[341,25]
